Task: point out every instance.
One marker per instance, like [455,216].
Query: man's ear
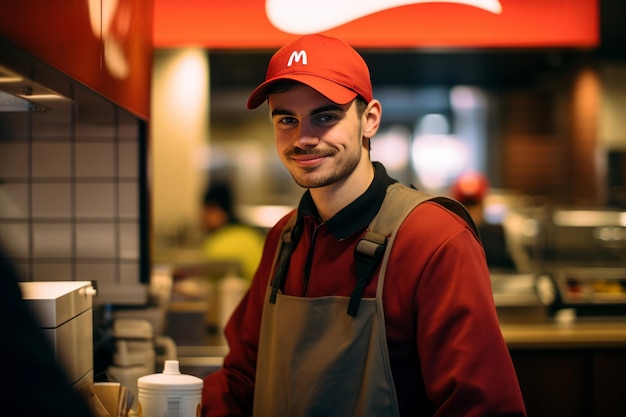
[372,118]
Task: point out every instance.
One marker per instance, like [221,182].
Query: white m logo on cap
[297,56]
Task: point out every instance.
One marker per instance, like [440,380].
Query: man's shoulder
[431,209]
[434,222]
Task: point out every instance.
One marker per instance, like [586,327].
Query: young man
[424,342]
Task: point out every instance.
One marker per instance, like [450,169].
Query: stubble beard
[310,178]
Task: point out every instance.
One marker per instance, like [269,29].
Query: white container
[169,394]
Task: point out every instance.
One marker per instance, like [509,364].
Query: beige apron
[316,360]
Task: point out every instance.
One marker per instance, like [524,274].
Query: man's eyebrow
[281,112]
[329,107]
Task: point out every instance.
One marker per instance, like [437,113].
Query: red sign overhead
[378,23]
[105,45]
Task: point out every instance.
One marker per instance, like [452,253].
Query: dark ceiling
[493,68]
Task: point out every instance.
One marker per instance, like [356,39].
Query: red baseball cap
[470,187]
[328,65]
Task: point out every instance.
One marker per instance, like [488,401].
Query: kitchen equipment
[170,393]
[136,349]
[588,291]
[578,254]
[65,312]
[134,352]
[543,238]
[517,298]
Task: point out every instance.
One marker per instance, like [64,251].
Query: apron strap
[399,202]
[288,243]
[367,256]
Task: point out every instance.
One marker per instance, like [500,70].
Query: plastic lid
[170,379]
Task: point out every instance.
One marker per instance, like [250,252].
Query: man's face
[320,142]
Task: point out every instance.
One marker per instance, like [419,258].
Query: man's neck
[331,199]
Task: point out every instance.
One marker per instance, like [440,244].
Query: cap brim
[330,89]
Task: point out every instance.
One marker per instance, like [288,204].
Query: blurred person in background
[470,189]
[424,338]
[226,237]
[35,383]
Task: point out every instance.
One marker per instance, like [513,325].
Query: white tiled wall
[70,186]
[13,160]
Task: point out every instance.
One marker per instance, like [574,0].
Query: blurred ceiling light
[464,97]
[10,79]
[42,97]
[392,147]
[8,76]
[190,70]
[433,124]
[185,85]
[437,156]
[263,216]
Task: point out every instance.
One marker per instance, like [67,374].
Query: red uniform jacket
[446,350]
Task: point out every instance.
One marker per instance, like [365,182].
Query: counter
[550,335]
[566,366]
[573,369]
[577,335]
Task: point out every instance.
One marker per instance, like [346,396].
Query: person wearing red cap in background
[436,351]
[470,189]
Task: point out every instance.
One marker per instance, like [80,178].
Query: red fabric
[470,187]
[447,354]
[328,65]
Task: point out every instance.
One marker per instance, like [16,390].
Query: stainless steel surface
[517,299]
[65,313]
[542,238]
[20,94]
[57,302]
[515,290]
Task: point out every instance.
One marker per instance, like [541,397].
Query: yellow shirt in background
[236,242]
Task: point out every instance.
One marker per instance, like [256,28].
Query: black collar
[356,215]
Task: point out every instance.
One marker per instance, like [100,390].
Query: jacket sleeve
[466,369]
[466,366]
[230,390]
